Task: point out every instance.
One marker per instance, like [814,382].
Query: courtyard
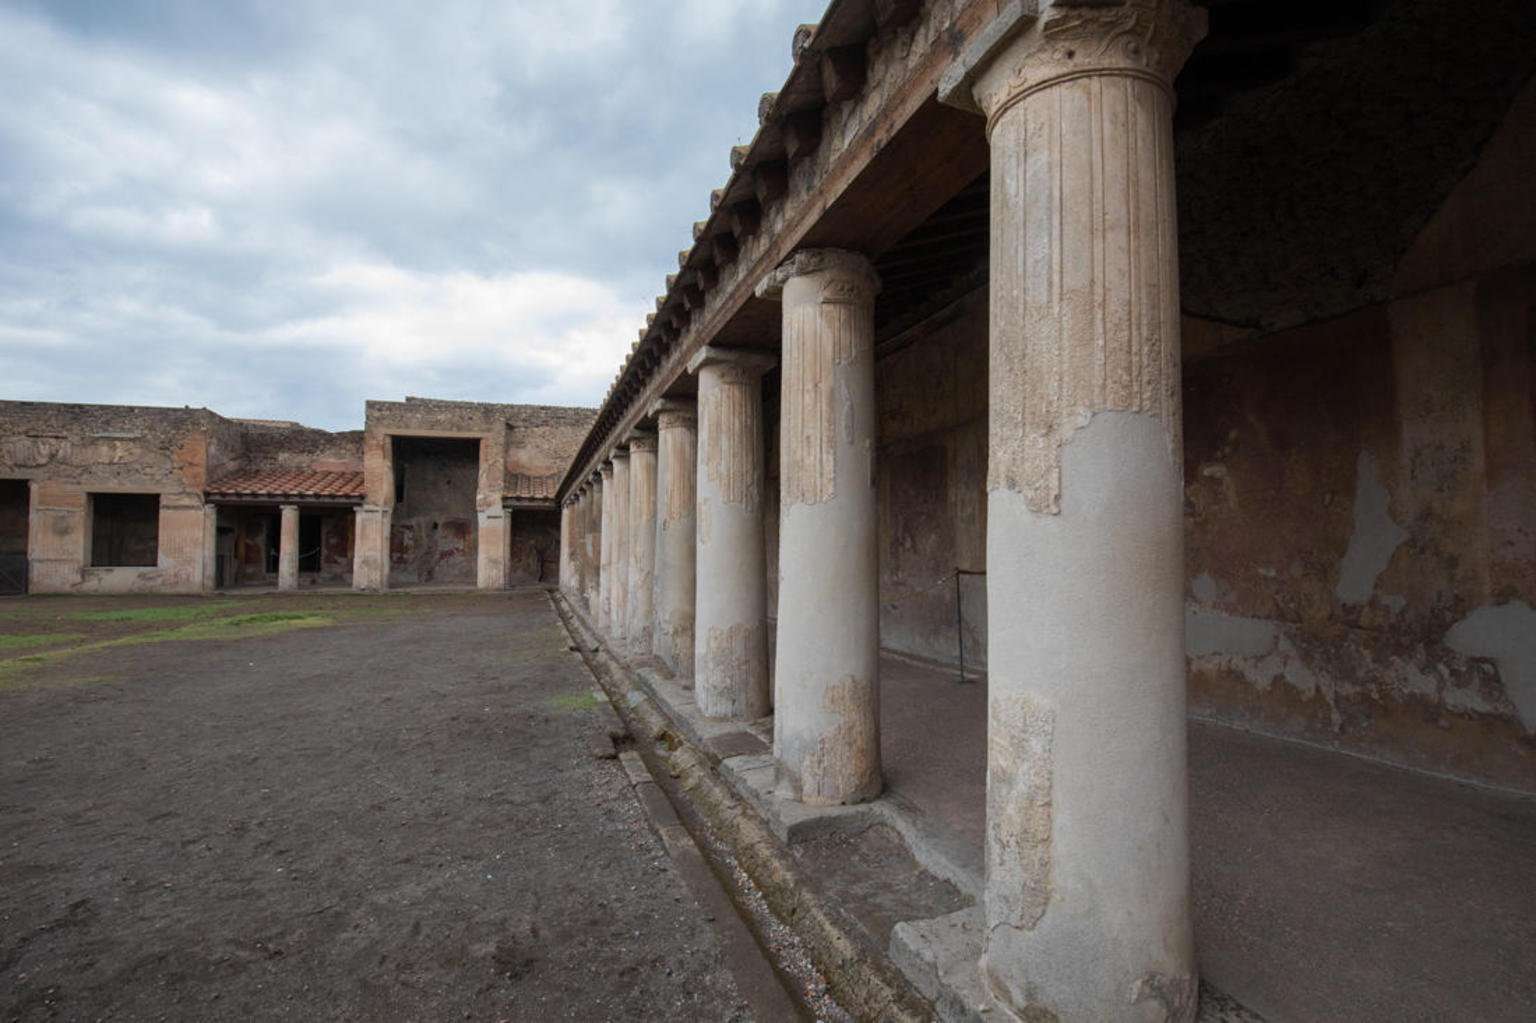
[326,806]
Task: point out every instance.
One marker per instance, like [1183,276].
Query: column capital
[1031,45]
[288,507]
[687,406]
[745,360]
[642,441]
[850,276]
[606,472]
[619,454]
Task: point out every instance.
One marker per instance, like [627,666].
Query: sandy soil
[383,808]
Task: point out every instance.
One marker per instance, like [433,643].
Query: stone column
[605,552]
[582,518]
[618,593]
[594,570]
[826,681]
[288,549]
[642,540]
[210,565]
[676,498]
[567,529]
[1087,866]
[730,664]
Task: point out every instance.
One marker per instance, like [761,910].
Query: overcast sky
[279,208]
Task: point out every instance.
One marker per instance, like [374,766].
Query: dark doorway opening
[309,543]
[15,513]
[125,530]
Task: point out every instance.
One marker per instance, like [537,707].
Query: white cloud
[357,199]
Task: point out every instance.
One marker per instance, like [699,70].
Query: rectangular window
[125,530]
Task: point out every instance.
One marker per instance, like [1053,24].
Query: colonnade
[1086,849]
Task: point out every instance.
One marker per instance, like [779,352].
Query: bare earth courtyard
[325,806]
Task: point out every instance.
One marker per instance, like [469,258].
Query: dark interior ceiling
[1314,138]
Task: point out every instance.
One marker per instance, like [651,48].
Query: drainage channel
[773,973]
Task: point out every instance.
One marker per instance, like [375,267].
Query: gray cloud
[280,209]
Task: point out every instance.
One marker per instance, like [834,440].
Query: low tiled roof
[289,483]
[523,487]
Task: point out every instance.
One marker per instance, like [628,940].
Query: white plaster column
[288,549]
[618,593]
[583,543]
[826,725]
[642,540]
[730,659]
[592,575]
[567,569]
[1087,866]
[605,548]
[676,500]
[210,556]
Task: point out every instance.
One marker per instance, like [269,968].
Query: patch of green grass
[185,612]
[233,627]
[575,701]
[21,642]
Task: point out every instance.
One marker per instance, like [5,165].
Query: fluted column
[567,570]
[1087,868]
[730,659]
[642,540]
[826,738]
[592,537]
[579,543]
[288,549]
[618,593]
[605,548]
[676,500]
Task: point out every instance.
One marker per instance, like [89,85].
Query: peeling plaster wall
[535,546]
[931,485]
[433,530]
[1361,500]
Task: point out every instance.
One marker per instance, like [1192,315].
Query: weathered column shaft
[731,617]
[605,549]
[826,678]
[618,593]
[642,540]
[288,549]
[676,564]
[567,569]
[1087,868]
[591,537]
[210,548]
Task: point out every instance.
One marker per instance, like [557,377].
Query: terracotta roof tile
[289,483]
[521,486]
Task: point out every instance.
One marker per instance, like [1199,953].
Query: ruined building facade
[119,499]
[1170,358]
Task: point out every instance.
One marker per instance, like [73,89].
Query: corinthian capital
[1070,39]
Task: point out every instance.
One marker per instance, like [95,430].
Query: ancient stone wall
[300,448]
[72,451]
[542,439]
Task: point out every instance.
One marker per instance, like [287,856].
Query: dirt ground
[325,806]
